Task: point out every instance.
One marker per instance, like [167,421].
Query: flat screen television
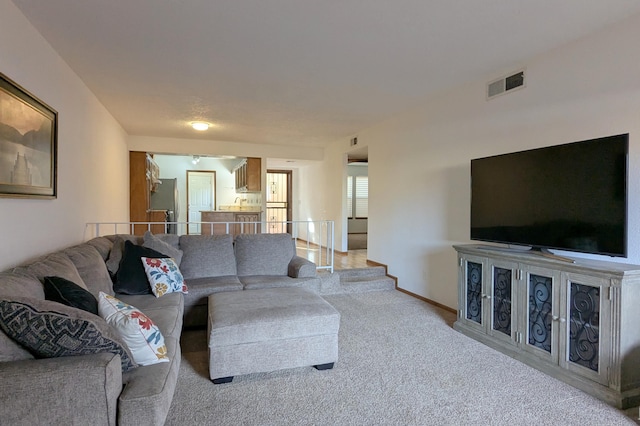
[570,197]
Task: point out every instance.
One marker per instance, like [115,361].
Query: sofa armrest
[299,267]
[67,390]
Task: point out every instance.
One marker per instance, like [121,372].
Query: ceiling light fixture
[200,125]
[196,159]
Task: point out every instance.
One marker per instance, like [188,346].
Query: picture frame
[28,144]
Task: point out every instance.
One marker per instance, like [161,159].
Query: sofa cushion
[68,293]
[156,243]
[163,276]
[142,336]
[49,329]
[14,285]
[131,278]
[257,282]
[165,312]
[248,317]
[172,239]
[91,267]
[201,288]
[103,245]
[207,256]
[264,254]
[117,250]
[146,302]
[149,390]
[55,264]
[10,350]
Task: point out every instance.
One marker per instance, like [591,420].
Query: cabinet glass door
[540,292]
[584,319]
[472,297]
[503,301]
[584,325]
[542,297]
[474,291]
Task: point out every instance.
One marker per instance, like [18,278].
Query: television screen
[570,197]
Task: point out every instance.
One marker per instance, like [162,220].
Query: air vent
[505,84]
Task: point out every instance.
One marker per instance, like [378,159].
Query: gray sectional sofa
[212,264]
[92,388]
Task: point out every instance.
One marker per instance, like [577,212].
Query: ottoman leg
[221,380]
[321,367]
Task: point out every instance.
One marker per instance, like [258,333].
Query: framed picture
[28,144]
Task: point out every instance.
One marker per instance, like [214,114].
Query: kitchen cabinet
[248,175]
[574,321]
[243,222]
[143,179]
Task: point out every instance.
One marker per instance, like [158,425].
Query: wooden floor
[352,259]
[348,260]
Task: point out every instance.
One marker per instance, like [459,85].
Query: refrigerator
[166,198]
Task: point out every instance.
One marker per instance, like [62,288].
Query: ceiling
[296,72]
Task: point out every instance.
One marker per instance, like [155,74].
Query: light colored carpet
[400,363]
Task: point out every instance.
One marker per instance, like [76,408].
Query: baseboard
[386,271]
[429,301]
[424,299]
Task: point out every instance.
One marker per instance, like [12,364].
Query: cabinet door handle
[557,318]
[486,296]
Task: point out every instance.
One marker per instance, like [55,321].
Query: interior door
[279,201]
[200,197]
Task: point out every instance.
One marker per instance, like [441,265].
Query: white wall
[323,189]
[93,173]
[419,160]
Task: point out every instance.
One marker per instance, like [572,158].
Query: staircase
[360,280]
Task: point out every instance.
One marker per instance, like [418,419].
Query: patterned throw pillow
[142,336]
[164,276]
[49,329]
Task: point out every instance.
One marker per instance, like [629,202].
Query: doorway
[279,192]
[357,201]
[201,196]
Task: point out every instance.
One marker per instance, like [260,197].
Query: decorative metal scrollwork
[540,306]
[474,292]
[584,336]
[502,300]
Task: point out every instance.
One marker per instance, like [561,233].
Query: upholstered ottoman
[254,331]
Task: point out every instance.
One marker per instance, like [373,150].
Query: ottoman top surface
[276,313]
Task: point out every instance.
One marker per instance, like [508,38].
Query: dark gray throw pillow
[131,278]
[69,293]
[49,329]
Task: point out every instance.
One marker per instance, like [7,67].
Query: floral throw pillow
[164,276]
[142,336]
